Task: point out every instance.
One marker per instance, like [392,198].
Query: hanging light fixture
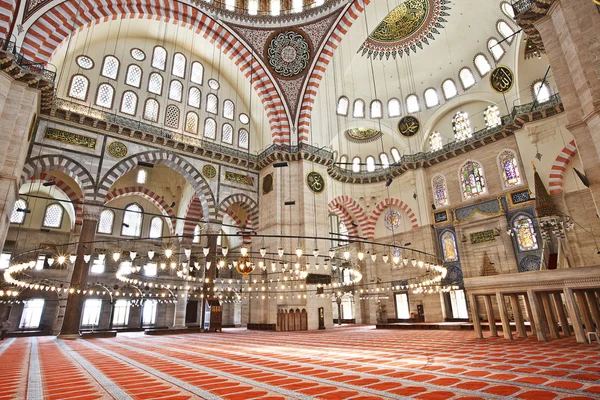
[263,251]
[316,253]
[224,250]
[86,258]
[347,255]
[132,255]
[299,252]
[206,251]
[244,251]
[150,254]
[168,253]
[374,257]
[385,258]
[188,253]
[281,252]
[72,258]
[61,260]
[331,253]
[208,264]
[361,255]
[50,261]
[116,256]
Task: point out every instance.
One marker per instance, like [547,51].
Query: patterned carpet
[344,363]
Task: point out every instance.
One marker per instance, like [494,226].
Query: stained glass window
[431,98]
[151,110]
[155,83]
[385,161]
[370,163]
[461,126]
[466,78]
[142,176]
[541,92]
[137,54]
[412,104]
[344,161]
[159,58]
[134,76]
[496,49]
[110,67]
[449,88]
[197,73]
[392,219]
[472,180]
[18,213]
[394,109]
[525,234]
[178,68]
[449,247]
[85,62]
[210,128]
[105,225]
[482,64]
[194,96]
[440,191]
[343,234]
[395,154]
[508,10]
[243,139]
[132,220]
[212,104]
[356,164]
[359,109]
[191,123]
[79,87]
[156,227]
[53,216]
[376,109]
[172,116]
[227,134]
[435,141]
[228,109]
[342,106]
[506,31]
[510,168]
[492,117]
[175,90]
[129,103]
[104,96]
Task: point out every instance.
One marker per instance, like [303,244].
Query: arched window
[370,164]
[435,141]
[53,216]
[110,67]
[541,92]
[449,247]
[509,165]
[175,90]
[343,234]
[395,154]
[385,161]
[297,6]
[507,9]
[243,139]
[106,222]
[525,233]
[134,76]
[467,79]
[210,128]
[197,231]
[228,110]
[151,109]
[440,190]
[155,83]
[197,74]
[142,176]
[482,64]
[18,213]
[252,7]
[376,109]
[358,109]
[412,104]
[178,68]
[129,102]
[156,228]
[132,220]
[342,106]
[275,7]
[172,116]
[449,88]
[431,98]
[496,49]
[105,95]
[194,96]
[344,161]
[212,104]
[506,31]
[472,180]
[492,117]
[159,58]
[79,87]
[227,134]
[356,164]
[394,109]
[191,123]
[461,126]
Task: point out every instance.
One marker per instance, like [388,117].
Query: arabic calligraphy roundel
[315,182]
[288,53]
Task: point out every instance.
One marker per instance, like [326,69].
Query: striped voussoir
[149,195]
[173,161]
[345,217]
[7,11]
[246,203]
[351,14]
[66,190]
[193,215]
[396,203]
[43,164]
[53,27]
[238,222]
[557,171]
[353,208]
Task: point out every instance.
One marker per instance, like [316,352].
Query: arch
[344,216]
[193,215]
[560,165]
[149,195]
[381,207]
[55,25]
[353,208]
[68,192]
[66,165]
[173,161]
[245,202]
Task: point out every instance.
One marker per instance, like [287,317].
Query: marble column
[551,321]
[516,307]
[504,316]
[584,311]
[211,273]
[475,316]
[529,314]
[574,316]
[594,308]
[79,278]
[534,304]
[490,315]
[562,314]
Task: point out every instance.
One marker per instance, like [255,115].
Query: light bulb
[263,251]
[280,251]
[184,265]
[361,255]
[163,265]
[50,261]
[244,251]
[221,263]
[347,255]
[173,265]
[420,263]
[316,253]
[299,252]
[116,255]
[168,253]
[61,260]
[187,252]
[385,258]
[151,254]
[331,253]
[132,255]
[374,257]
[72,258]
[413,262]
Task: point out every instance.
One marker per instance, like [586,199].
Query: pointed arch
[173,161]
[354,209]
[193,215]
[559,167]
[345,217]
[55,25]
[149,195]
[381,207]
[67,191]
[245,202]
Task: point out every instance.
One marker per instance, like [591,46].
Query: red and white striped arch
[68,191]
[557,172]
[46,34]
[381,207]
[193,216]
[345,217]
[318,72]
[7,13]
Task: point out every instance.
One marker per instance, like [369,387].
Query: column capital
[92,210]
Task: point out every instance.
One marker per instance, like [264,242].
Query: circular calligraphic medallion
[502,79]
[117,149]
[315,182]
[409,126]
[288,53]
[267,184]
[209,171]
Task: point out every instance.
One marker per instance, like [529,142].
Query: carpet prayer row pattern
[344,363]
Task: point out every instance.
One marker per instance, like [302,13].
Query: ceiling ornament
[288,53]
[363,135]
[117,149]
[406,28]
[502,79]
[409,126]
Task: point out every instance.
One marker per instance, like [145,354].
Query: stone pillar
[584,311]
[549,315]
[537,315]
[60,313]
[475,316]
[529,314]
[594,308]
[574,316]
[516,307]
[211,273]
[490,315]
[179,316]
[562,314]
[70,326]
[504,316]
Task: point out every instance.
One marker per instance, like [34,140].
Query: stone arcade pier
[554,302]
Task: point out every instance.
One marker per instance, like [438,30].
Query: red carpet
[345,363]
